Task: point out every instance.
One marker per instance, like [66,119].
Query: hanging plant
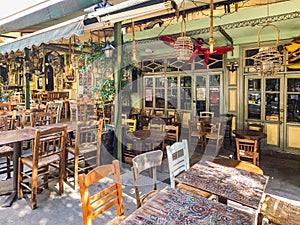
[91,51]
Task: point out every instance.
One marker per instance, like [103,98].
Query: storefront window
[272,99]
[293,100]
[254,98]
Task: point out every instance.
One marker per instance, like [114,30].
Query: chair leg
[20,179]
[76,161]
[34,188]
[8,167]
[46,177]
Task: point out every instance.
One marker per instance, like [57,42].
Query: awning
[53,33]
[44,14]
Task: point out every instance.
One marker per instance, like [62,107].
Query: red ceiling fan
[198,50]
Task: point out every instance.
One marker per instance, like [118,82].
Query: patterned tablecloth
[171,206]
[237,185]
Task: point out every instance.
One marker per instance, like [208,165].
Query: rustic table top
[171,206]
[230,183]
[250,134]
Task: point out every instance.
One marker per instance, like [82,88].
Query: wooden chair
[278,211]
[5,151]
[131,124]
[159,112]
[196,130]
[86,150]
[48,155]
[96,203]
[178,160]
[172,136]
[214,135]
[40,119]
[206,114]
[154,126]
[146,161]
[172,133]
[55,109]
[246,148]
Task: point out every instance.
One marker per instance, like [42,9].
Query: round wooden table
[146,140]
[250,134]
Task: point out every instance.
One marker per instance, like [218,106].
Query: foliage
[91,51]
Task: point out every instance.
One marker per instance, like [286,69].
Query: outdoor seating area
[138,112]
[55,204]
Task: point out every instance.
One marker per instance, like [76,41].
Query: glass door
[265,105]
[208,93]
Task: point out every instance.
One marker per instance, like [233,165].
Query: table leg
[17,153]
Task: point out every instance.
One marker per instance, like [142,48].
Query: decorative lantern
[183,45]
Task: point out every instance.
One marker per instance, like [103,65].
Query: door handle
[281,110]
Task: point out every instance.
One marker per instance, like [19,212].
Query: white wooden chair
[178,160]
[206,114]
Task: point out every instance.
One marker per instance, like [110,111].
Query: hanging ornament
[268,61]
[183,45]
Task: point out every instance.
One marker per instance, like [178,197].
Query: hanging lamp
[183,45]
[268,60]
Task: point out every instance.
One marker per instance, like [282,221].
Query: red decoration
[198,50]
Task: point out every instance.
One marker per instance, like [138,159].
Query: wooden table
[171,206]
[145,140]
[233,184]
[16,137]
[250,134]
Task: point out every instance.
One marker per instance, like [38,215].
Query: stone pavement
[284,181]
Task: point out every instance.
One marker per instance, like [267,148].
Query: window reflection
[293,100]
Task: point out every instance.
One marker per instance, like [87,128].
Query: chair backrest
[131,123]
[49,142]
[88,137]
[172,132]
[246,146]
[255,126]
[195,126]
[142,162]
[159,111]
[155,126]
[94,205]
[3,123]
[178,159]
[55,109]
[279,211]
[40,119]
[207,114]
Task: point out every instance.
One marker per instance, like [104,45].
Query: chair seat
[192,190]
[247,154]
[149,195]
[213,136]
[117,220]
[42,161]
[6,150]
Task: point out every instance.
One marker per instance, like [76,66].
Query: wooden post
[27,77]
[117,78]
